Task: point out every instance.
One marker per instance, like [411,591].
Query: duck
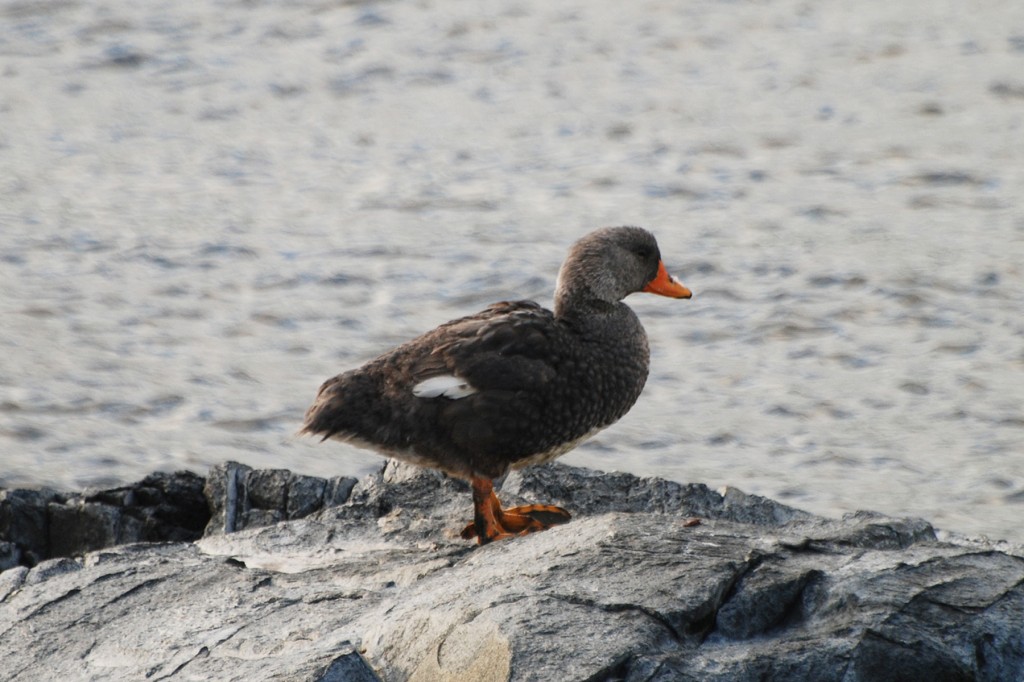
[512,386]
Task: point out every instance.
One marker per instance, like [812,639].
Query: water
[207,209]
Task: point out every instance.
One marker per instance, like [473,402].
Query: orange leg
[491,522]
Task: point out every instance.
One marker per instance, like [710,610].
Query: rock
[24,523]
[267,489]
[78,526]
[241,497]
[224,490]
[43,524]
[305,495]
[11,580]
[629,589]
[338,490]
[46,570]
[349,667]
[10,555]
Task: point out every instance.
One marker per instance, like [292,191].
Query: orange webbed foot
[491,522]
[546,515]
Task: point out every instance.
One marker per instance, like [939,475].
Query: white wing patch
[446,386]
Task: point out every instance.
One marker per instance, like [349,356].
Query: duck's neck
[575,298]
[573,308]
[603,322]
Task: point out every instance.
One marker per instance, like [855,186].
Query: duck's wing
[509,346]
[465,388]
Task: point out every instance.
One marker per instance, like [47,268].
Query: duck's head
[609,264]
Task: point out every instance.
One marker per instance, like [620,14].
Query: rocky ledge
[305,579]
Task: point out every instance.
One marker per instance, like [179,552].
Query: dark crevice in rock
[650,613]
[114,576]
[18,674]
[765,600]
[876,655]
[795,609]
[700,627]
[348,667]
[616,671]
[810,546]
[707,624]
[339,596]
[264,582]
[136,588]
[620,608]
[202,653]
[43,608]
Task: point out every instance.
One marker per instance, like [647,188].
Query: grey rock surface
[632,588]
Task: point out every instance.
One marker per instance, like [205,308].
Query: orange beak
[665,284]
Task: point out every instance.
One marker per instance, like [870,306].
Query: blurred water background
[208,208]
